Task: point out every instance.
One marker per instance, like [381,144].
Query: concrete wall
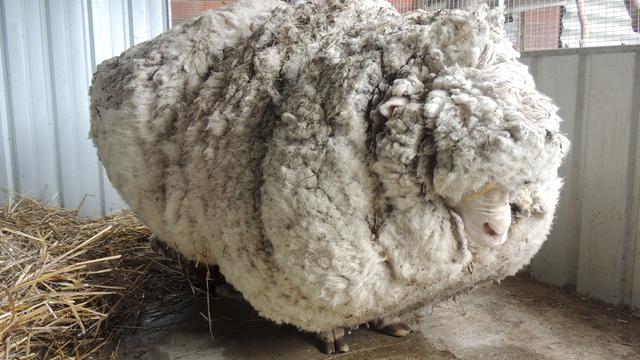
[595,243]
[48,52]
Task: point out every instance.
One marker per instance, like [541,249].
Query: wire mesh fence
[530,24]
[182,10]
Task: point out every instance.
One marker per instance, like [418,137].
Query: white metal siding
[48,51]
[7,171]
[594,243]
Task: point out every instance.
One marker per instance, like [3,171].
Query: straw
[70,286]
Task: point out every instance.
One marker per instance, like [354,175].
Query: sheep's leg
[391,326]
[332,341]
[197,273]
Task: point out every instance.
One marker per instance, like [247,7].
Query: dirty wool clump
[317,152]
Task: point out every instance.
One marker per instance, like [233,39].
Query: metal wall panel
[557,261]
[632,283]
[147,19]
[71,75]
[111,35]
[29,80]
[7,173]
[604,191]
[48,52]
[594,243]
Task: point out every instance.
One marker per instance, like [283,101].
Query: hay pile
[69,286]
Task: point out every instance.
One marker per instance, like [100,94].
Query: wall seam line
[631,206]
[131,25]
[31,154]
[53,99]
[166,5]
[92,54]
[577,168]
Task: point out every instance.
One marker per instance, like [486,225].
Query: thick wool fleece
[311,151]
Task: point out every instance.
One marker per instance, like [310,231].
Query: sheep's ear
[457,225]
[387,108]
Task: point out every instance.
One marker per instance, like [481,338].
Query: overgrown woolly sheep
[341,163]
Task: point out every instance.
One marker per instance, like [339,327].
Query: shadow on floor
[520,319]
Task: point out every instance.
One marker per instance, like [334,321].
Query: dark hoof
[398,329]
[393,328]
[332,342]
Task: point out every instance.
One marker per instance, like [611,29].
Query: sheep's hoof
[332,342]
[394,328]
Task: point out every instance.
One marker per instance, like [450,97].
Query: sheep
[340,163]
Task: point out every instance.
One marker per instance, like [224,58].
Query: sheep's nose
[496,229]
[489,230]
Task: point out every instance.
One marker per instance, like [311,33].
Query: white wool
[318,153]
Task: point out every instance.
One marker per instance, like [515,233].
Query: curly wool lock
[320,153]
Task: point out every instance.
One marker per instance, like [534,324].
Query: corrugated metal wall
[48,51]
[595,243]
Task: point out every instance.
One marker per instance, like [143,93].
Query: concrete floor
[519,319]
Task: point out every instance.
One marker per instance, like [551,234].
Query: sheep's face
[486,216]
